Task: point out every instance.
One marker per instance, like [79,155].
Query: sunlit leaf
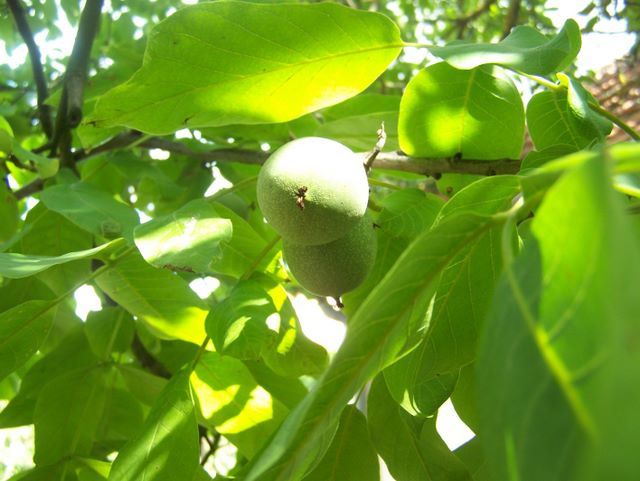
[476,113]
[157,297]
[167,447]
[235,63]
[525,49]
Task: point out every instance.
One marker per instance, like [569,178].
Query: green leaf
[50,234]
[6,136]
[292,354]
[143,385]
[23,329]
[476,113]
[17,266]
[238,325]
[355,122]
[234,404]
[408,212]
[189,239]
[109,330]
[411,448]
[351,456]
[45,166]
[67,415]
[91,209]
[563,119]
[162,300]
[460,305]
[525,49]
[241,252]
[465,396]
[417,395]
[234,62]
[377,335]
[557,341]
[72,353]
[9,217]
[167,448]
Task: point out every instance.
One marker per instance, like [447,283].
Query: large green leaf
[91,209]
[72,353]
[109,330]
[476,113]
[411,448]
[558,341]
[16,266]
[189,239]
[68,413]
[234,404]
[351,456]
[563,118]
[22,330]
[464,293]
[47,233]
[234,62]
[157,297]
[525,49]
[167,448]
[377,334]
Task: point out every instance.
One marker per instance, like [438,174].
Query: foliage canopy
[506,276]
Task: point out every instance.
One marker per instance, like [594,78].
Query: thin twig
[29,189]
[382,138]
[44,111]
[511,19]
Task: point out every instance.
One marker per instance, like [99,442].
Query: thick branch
[44,111]
[29,189]
[71,102]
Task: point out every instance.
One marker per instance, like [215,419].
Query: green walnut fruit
[337,267]
[313,190]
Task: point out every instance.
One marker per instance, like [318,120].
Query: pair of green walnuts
[314,193]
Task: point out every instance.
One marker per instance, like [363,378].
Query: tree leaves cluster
[513,294]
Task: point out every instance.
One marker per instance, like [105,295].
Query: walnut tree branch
[71,102]
[44,111]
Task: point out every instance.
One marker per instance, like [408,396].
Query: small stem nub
[382,138]
[300,195]
[339,303]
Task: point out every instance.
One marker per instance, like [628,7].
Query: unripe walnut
[337,267]
[313,190]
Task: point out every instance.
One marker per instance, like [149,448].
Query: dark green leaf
[351,456]
[167,447]
[557,342]
[233,62]
[408,212]
[22,331]
[67,415]
[476,113]
[411,448]
[109,330]
[91,209]
[525,49]
[8,212]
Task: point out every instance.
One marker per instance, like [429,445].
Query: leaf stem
[387,185]
[616,120]
[199,353]
[259,258]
